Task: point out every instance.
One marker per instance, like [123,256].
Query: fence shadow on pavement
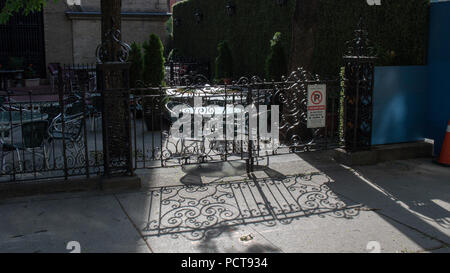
[199,212]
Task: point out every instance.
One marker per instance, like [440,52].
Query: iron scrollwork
[112,41]
[359,84]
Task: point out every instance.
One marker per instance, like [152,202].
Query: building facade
[72,28]
[68,31]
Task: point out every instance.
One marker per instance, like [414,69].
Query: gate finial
[360,47]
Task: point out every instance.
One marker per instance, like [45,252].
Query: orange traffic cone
[444,158]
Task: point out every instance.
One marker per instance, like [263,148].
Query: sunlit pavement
[298,203]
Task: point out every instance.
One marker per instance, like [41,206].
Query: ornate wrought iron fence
[75,134]
[153,118]
[46,135]
[359,81]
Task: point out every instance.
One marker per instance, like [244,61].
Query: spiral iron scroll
[112,37]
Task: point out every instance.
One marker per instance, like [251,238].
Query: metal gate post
[113,83]
[116,121]
[250,160]
[359,82]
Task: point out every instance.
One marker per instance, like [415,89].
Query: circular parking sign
[316,97]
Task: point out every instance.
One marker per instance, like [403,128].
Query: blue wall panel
[400,95]
[439,73]
[413,102]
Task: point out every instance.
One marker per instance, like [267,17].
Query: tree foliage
[154,70]
[276,64]
[24,6]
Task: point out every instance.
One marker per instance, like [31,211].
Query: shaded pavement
[298,203]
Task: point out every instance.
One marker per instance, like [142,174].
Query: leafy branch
[25,6]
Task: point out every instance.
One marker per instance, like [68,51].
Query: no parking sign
[317,105]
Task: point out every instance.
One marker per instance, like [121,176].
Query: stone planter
[32,82]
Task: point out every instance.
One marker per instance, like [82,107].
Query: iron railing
[72,142]
[154,144]
[46,135]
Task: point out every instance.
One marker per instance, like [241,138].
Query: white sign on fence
[317,105]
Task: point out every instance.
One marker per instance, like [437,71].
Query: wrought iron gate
[137,124]
[154,144]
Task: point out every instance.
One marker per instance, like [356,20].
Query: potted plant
[224,63]
[31,79]
[153,76]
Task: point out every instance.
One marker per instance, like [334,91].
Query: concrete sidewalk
[300,203]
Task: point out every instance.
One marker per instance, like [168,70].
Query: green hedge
[399,28]
[248,31]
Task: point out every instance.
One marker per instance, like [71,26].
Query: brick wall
[72,33]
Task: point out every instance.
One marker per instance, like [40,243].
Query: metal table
[6,75]
[10,119]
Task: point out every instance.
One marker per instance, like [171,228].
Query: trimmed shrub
[224,62]
[247,31]
[154,70]
[276,65]
[136,64]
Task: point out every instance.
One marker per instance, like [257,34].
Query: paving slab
[97,223]
[145,215]
[327,233]
[413,192]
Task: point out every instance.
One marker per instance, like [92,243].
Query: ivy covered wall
[397,28]
[248,31]
[314,31]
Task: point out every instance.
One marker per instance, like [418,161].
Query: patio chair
[53,72]
[73,125]
[2,101]
[51,111]
[74,108]
[33,136]
[6,106]
[95,110]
